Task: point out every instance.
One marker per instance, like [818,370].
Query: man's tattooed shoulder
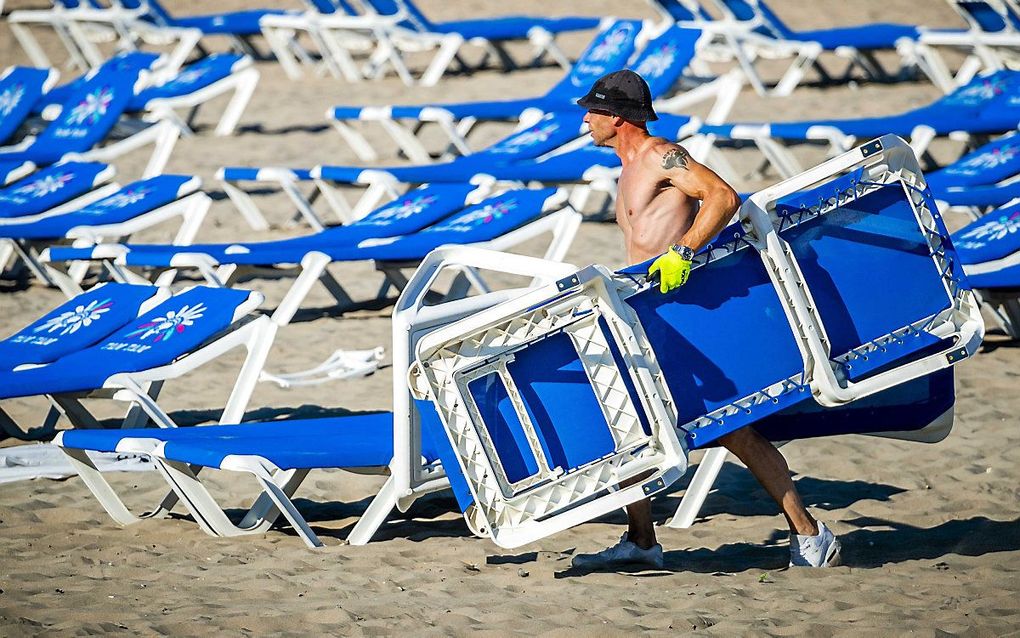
[675,157]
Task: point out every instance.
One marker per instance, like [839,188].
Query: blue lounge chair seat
[20,88]
[991,163]
[980,197]
[76,324]
[53,101]
[989,248]
[51,187]
[158,337]
[235,23]
[662,62]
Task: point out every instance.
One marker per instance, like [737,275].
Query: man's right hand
[673,270]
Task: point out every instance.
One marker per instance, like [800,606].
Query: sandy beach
[931,533]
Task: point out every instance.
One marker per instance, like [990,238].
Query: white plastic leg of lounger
[338,59]
[286,507]
[448,48]
[6,251]
[700,485]
[246,206]
[806,56]
[342,364]
[780,157]
[356,141]
[207,512]
[313,265]
[263,512]
[375,515]
[29,44]
[406,140]
[278,40]
[246,81]
[920,138]
[93,479]
[164,143]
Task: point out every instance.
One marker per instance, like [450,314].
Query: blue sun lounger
[662,62]
[166,341]
[89,114]
[413,31]
[545,136]
[988,105]
[20,88]
[48,188]
[427,217]
[857,43]
[553,395]
[989,248]
[984,178]
[115,217]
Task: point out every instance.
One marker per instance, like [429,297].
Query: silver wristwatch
[685,252]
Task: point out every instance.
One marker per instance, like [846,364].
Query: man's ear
[618,121]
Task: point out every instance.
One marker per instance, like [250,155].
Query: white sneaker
[623,553]
[814,551]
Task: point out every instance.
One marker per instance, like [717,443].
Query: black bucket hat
[623,93]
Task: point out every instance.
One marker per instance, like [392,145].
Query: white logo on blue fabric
[597,61]
[120,200]
[10,98]
[401,210]
[175,322]
[992,230]
[524,139]
[92,108]
[44,185]
[82,316]
[478,217]
[657,62]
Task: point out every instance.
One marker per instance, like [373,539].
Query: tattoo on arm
[675,158]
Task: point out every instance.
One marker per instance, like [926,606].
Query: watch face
[685,252]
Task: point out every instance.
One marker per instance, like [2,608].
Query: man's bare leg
[640,529]
[769,466]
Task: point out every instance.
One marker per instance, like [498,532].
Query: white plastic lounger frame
[888,159]
[412,318]
[242,81]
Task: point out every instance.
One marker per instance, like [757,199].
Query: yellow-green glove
[672,268]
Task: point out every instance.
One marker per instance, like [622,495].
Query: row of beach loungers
[63,218]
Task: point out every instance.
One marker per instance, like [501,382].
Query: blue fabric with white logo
[20,88]
[75,324]
[48,187]
[171,329]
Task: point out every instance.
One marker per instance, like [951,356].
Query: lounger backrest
[191,78]
[494,216]
[91,111]
[682,11]
[413,210]
[139,197]
[328,7]
[20,88]
[992,90]
[170,330]
[412,21]
[609,51]
[75,324]
[663,60]
[755,11]
[991,163]
[990,16]
[994,236]
[142,60]
[51,187]
[154,11]
[550,132]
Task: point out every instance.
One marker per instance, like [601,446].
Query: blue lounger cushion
[994,237]
[362,440]
[170,330]
[981,196]
[75,324]
[127,61]
[256,174]
[127,203]
[411,212]
[20,88]
[513,27]
[51,187]
[86,118]
[609,51]
[862,36]
[233,23]
[991,163]
[193,77]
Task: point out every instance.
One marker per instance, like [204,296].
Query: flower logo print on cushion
[92,108]
[990,159]
[473,219]
[979,93]
[71,321]
[120,200]
[187,77]
[524,139]
[399,210]
[612,45]
[44,185]
[10,98]
[657,63]
[163,328]
[991,230]
[595,63]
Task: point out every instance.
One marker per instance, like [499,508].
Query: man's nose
[586,119]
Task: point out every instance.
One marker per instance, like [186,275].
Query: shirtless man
[669,206]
